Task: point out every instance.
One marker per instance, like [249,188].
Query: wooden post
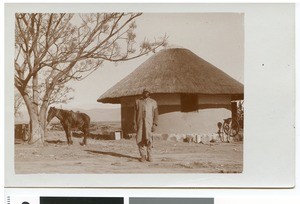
[234,110]
[127,121]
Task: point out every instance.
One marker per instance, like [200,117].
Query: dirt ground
[121,156]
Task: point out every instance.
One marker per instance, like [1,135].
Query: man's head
[146,93]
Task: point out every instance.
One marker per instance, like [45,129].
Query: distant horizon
[107,114]
[87,107]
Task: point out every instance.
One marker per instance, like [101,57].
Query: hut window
[189,102]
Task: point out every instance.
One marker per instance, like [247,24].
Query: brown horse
[71,120]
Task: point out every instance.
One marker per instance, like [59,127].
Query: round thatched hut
[192,94]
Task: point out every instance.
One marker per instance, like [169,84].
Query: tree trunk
[36,130]
[35,95]
[38,117]
[43,119]
[36,125]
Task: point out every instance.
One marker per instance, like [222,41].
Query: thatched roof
[174,71]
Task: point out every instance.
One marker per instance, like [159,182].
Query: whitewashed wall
[172,120]
[203,121]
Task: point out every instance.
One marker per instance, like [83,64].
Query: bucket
[198,138]
[118,135]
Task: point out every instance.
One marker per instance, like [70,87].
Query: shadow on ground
[95,136]
[55,142]
[111,154]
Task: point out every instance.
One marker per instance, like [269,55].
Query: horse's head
[51,113]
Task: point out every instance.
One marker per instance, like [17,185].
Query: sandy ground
[121,156]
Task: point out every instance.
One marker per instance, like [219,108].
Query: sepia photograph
[175,104]
[113,95]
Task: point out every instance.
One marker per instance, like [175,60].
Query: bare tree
[54,48]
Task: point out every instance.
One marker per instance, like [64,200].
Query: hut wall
[174,99]
[211,110]
[161,99]
[127,119]
[214,99]
[203,121]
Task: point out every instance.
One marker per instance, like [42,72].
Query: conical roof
[174,70]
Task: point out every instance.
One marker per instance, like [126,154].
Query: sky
[216,37]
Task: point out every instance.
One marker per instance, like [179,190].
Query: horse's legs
[70,137]
[85,135]
[67,130]
[84,140]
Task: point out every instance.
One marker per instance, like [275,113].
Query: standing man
[145,122]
